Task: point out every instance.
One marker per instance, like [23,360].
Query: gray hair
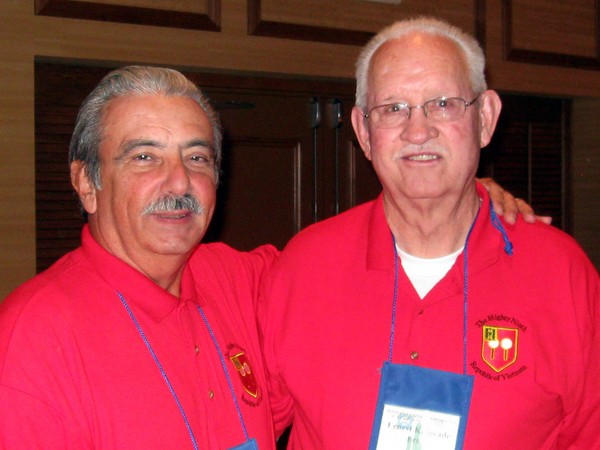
[473,53]
[132,80]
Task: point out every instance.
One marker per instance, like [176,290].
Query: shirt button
[414,355]
[197,349]
[211,394]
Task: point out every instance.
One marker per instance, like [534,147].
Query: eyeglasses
[441,109]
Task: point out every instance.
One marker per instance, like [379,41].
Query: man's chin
[421,191]
[175,242]
[177,248]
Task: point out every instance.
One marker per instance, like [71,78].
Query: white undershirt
[423,273]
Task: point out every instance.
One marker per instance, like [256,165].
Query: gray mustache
[165,204]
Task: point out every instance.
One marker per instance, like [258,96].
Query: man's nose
[418,129]
[177,179]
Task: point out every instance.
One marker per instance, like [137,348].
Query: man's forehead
[155,118]
[414,58]
[152,105]
[419,48]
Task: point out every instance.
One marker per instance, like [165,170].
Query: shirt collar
[380,245]
[137,289]
[485,241]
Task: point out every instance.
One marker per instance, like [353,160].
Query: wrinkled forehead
[145,110]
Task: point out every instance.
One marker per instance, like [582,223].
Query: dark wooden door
[288,163]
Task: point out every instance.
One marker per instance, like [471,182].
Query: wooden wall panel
[266,172]
[193,14]
[189,6]
[551,32]
[585,169]
[555,27]
[17,209]
[362,182]
[58,220]
[527,154]
[336,21]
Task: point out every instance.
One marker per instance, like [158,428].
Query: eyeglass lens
[441,109]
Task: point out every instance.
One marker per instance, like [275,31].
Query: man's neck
[431,228]
[165,270]
[169,277]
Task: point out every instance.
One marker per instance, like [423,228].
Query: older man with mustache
[121,344]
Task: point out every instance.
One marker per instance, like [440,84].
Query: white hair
[473,53]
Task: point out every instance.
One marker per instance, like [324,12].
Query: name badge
[412,429]
[421,409]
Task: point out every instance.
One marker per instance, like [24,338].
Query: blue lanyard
[164,375]
[465,293]
[187,424]
[237,406]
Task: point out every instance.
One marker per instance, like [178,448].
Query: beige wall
[25,37]
[17,227]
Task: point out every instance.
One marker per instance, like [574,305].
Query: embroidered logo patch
[241,363]
[499,347]
[239,357]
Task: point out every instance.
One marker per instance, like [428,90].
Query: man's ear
[83,186]
[361,130]
[491,105]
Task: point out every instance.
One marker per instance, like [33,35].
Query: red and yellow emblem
[242,364]
[499,349]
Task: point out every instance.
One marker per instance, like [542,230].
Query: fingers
[528,214]
[503,201]
[511,208]
[544,219]
[506,205]
[525,210]
[497,195]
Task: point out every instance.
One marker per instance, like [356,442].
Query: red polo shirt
[327,323]
[75,372]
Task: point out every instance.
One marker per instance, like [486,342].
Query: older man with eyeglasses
[422,320]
